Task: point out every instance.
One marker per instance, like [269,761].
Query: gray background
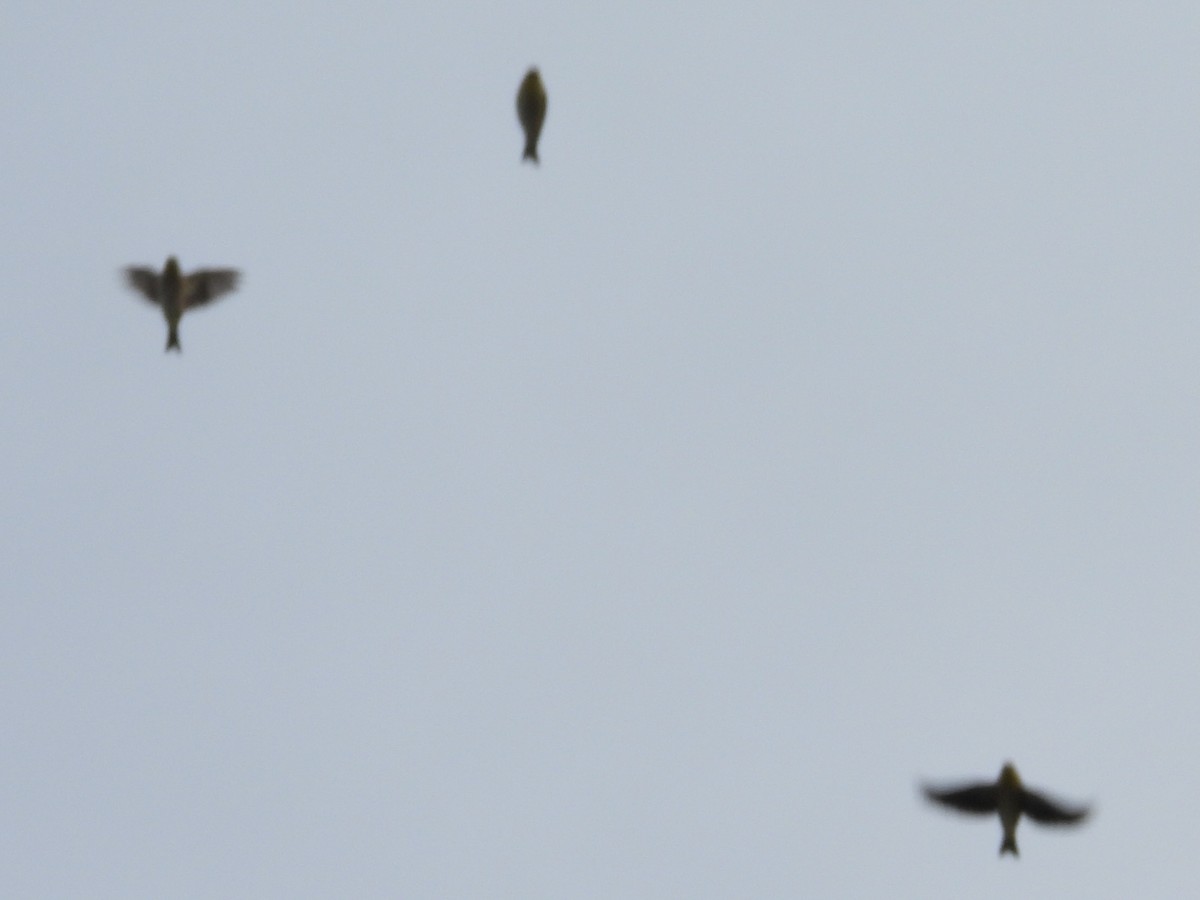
[820,417]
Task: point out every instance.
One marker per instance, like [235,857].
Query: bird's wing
[1049,812]
[973,798]
[144,281]
[206,285]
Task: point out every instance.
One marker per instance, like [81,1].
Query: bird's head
[171,269]
[1009,777]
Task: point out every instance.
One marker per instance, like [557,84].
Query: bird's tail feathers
[1009,845]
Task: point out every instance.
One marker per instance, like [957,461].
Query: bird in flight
[1010,798]
[175,293]
[531,110]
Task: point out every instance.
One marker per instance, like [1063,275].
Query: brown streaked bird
[175,293]
[1008,797]
[531,110]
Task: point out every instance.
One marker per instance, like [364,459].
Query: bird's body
[175,293]
[1010,799]
[531,111]
[1008,805]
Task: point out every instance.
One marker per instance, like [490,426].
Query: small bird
[1010,799]
[531,110]
[176,293]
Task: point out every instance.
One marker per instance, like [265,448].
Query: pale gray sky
[821,416]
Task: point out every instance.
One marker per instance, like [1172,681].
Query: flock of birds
[174,293]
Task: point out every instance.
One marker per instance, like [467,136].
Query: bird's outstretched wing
[1050,812]
[973,798]
[206,285]
[144,281]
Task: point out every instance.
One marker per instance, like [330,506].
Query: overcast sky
[820,417]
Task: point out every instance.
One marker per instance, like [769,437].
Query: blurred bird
[176,293]
[531,110]
[1008,797]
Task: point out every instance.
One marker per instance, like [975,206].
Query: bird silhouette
[1010,798]
[531,110]
[175,293]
